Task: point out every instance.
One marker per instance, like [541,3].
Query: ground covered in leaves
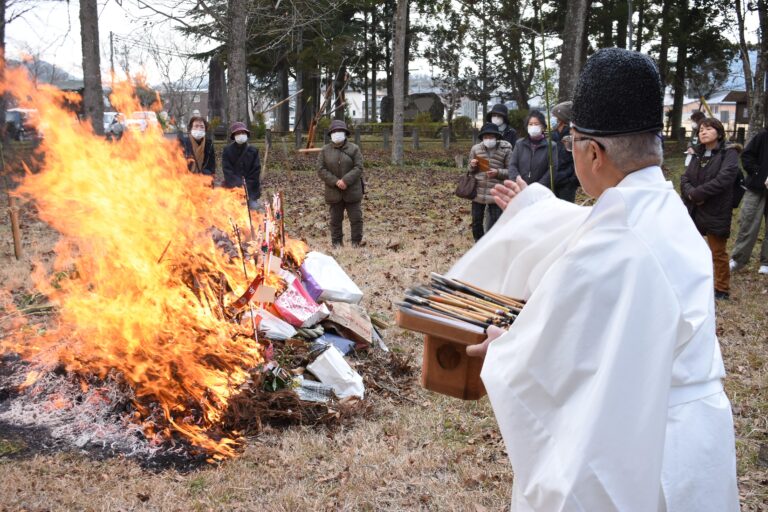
[412,449]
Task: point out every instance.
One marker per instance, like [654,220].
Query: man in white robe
[607,388]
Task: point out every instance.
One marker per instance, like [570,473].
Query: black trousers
[355,215]
[484,216]
[567,191]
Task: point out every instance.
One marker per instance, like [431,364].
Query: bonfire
[158,285]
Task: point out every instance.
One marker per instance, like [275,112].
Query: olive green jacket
[345,163]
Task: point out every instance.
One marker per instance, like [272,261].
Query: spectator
[754,206]
[340,166]
[530,158]
[240,162]
[697,116]
[499,115]
[498,152]
[707,190]
[198,148]
[566,181]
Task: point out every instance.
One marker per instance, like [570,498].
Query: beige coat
[499,159]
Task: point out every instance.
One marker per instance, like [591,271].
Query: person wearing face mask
[240,161]
[340,166]
[499,115]
[697,116]
[198,149]
[566,181]
[707,191]
[497,151]
[615,357]
[530,158]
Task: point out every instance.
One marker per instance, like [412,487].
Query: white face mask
[197,134]
[489,143]
[534,130]
[241,138]
[497,120]
[338,137]
[694,126]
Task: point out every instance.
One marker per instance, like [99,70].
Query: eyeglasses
[568,141]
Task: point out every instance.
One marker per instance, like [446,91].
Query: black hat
[490,128]
[499,109]
[337,125]
[618,92]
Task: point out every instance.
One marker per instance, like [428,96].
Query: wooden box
[446,368]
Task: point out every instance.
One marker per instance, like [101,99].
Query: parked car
[140,121]
[108,118]
[20,124]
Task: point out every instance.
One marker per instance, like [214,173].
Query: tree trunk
[607,26]
[572,57]
[237,80]
[93,95]
[216,90]
[299,110]
[399,82]
[3,104]
[366,47]
[679,86]
[666,13]
[640,25]
[406,72]
[338,93]
[622,16]
[747,67]
[374,65]
[757,112]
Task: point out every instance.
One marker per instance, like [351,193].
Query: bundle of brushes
[452,298]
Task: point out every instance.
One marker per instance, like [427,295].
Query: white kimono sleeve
[512,257]
[580,383]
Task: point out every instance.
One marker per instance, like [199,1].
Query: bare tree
[398,85]
[181,75]
[93,95]
[754,81]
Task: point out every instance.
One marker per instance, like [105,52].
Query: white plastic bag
[332,369]
[331,278]
[271,326]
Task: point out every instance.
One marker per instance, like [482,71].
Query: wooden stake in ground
[13,209]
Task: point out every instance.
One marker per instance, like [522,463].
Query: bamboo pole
[273,107]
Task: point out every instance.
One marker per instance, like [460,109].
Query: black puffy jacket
[707,188]
[755,161]
[242,161]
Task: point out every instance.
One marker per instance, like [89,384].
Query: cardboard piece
[351,321]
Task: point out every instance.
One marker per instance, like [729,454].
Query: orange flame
[124,308]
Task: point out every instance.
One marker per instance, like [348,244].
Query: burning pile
[162,283]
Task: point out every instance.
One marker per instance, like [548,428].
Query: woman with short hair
[707,191]
[530,158]
[198,148]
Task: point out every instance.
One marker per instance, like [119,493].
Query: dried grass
[415,451]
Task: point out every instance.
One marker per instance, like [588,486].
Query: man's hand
[689,151]
[473,163]
[492,173]
[480,349]
[503,194]
[341,185]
